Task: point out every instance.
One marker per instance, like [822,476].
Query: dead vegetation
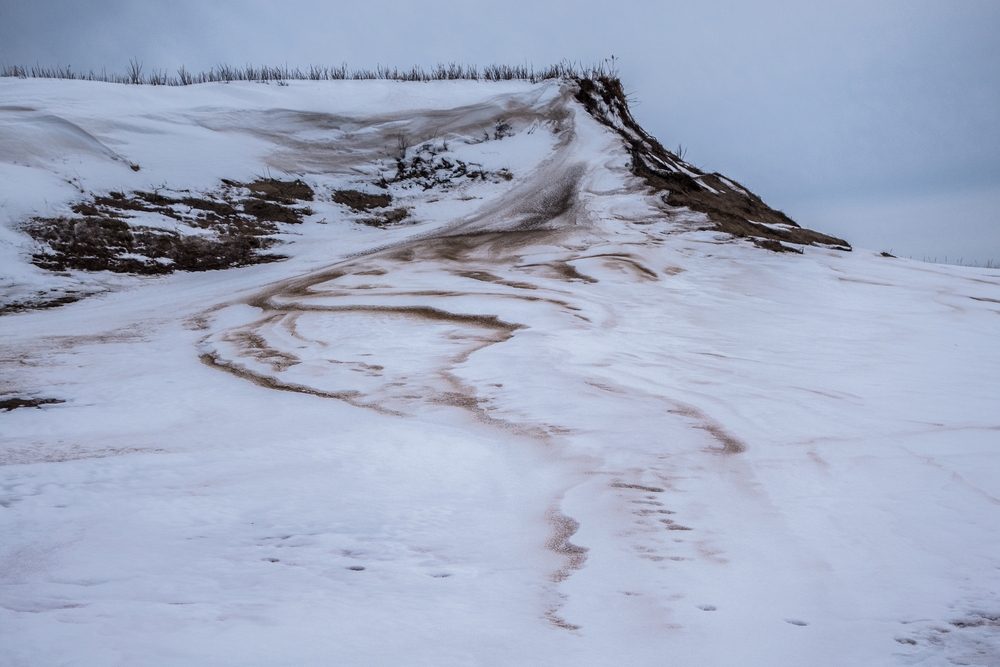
[219,230]
[364,202]
[732,208]
[361,201]
[136,74]
[426,168]
[282,192]
[387,218]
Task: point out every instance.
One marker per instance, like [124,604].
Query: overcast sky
[876,121]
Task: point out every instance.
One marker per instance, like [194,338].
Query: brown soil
[674,526]
[639,487]
[774,246]
[464,249]
[640,270]
[731,207]
[270,383]
[574,556]
[255,346]
[284,192]
[98,244]
[361,201]
[730,443]
[101,239]
[566,272]
[219,208]
[393,217]
[9,404]
[38,304]
[487,277]
[559,621]
[364,202]
[266,211]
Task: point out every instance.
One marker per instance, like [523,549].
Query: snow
[553,423]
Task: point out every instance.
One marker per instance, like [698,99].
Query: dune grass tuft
[135,74]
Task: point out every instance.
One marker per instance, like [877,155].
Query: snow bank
[543,418]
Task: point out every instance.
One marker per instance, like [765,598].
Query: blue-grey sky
[876,121]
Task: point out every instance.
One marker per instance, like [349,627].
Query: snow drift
[490,377]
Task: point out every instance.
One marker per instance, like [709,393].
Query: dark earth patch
[9,404]
[266,211]
[219,208]
[282,192]
[39,303]
[239,221]
[775,246]
[361,201]
[393,217]
[364,202]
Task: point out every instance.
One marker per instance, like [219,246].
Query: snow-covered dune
[490,379]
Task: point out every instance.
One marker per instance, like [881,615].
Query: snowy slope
[544,419]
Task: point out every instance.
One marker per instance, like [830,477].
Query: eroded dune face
[489,378]
[514,252]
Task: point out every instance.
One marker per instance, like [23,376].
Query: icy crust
[541,420]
